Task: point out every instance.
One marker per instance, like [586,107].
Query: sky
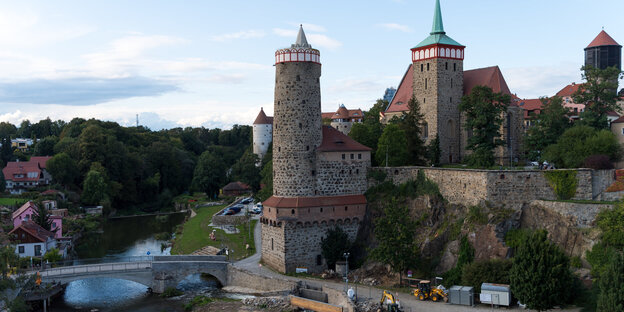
[210,63]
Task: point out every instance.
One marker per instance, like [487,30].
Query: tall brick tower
[319,173]
[438,86]
[297,118]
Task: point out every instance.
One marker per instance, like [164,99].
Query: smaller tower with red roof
[262,134]
[603,52]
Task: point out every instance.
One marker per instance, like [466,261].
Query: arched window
[427,54]
[442,52]
[453,53]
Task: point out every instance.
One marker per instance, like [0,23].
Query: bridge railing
[78,262]
[97,268]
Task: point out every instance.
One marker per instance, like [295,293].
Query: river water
[127,237]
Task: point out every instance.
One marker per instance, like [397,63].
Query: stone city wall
[583,215]
[341,173]
[243,278]
[512,188]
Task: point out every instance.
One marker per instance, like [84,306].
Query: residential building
[23,175]
[343,119]
[22,144]
[235,189]
[28,211]
[31,240]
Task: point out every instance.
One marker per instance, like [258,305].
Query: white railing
[97,268]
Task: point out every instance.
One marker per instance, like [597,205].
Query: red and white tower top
[300,51]
[438,44]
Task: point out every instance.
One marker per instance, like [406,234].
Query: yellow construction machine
[424,291]
[392,304]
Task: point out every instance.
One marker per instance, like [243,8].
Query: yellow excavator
[424,291]
[392,304]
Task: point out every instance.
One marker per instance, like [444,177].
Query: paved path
[408,302]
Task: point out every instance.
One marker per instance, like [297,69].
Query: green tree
[466,256]
[6,151]
[45,146]
[484,115]
[8,259]
[433,151]
[53,255]
[94,188]
[540,276]
[267,182]
[335,243]
[599,94]
[2,182]
[394,232]
[611,285]
[392,147]
[246,170]
[579,142]
[488,271]
[209,175]
[42,217]
[7,130]
[549,125]
[370,129]
[63,169]
[411,123]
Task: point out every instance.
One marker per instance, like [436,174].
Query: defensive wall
[512,188]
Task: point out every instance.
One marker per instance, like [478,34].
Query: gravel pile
[270,303]
[367,306]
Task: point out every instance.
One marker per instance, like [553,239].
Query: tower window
[319,260]
[424,100]
[446,66]
[425,83]
[307,147]
[300,126]
[298,78]
[427,66]
[279,148]
[450,100]
[313,172]
[272,244]
[421,67]
[454,66]
[321,209]
[357,171]
[292,211]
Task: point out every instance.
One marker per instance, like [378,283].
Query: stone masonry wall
[438,86]
[298,245]
[297,128]
[512,188]
[342,175]
[243,278]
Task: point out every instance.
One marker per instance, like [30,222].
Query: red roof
[343,113]
[530,105]
[619,120]
[322,201]
[404,92]
[21,210]
[262,119]
[489,76]
[35,230]
[569,89]
[603,39]
[23,168]
[336,141]
[236,186]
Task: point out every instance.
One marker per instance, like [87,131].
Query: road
[408,302]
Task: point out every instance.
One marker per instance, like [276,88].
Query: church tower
[603,52]
[297,118]
[438,85]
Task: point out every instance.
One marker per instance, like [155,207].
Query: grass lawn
[12,201]
[195,235]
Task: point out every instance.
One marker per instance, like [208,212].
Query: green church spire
[438,26]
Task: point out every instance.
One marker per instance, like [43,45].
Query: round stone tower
[297,119]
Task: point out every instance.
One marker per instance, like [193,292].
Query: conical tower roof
[603,39]
[302,41]
[262,118]
[437,35]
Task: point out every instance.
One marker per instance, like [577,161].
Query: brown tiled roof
[619,120]
[613,114]
[327,115]
[489,76]
[262,119]
[25,206]
[35,230]
[36,164]
[322,201]
[41,160]
[404,92]
[336,141]
[603,39]
[530,105]
[343,113]
[236,186]
[569,89]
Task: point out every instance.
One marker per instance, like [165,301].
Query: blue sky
[209,63]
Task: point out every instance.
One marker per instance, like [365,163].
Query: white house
[31,240]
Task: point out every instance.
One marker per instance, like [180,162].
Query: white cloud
[309,27]
[533,82]
[27,28]
[395,26]
[246,34]
[316,40]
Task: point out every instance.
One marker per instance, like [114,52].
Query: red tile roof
[569,89]
[489,76]
[343,113]
[619,120]
[530,105]
[336,141]
[35,230]
[262,119]
[404,92]
[236,186]
[322,201]
[21,210]
[35,165]
[603,39]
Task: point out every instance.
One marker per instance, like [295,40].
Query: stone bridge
[157,272]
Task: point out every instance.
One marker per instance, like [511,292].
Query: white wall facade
[262,138]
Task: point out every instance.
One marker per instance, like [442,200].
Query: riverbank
[196,231]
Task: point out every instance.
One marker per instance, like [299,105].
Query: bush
[490,271]
[563,182]
[476,215]
[171,292]
[598,162]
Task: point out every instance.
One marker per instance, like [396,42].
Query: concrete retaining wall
[339,298]
[244,278]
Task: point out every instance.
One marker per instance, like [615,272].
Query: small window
[292,211]
[321,209]
[298,78]
[446,66]
[313,172]
[425,83]
[307,147]
[300,126]
[421,67]
[454,66]
[319,260]
[346,208]
[450,100]
[623,131]
[20,249]
[424,100]
[272,244]
[427,66]
[352,156]
[357,171]
[359,156]
[279,148]
[343,156]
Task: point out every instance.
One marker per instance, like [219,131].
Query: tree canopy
[412,124]
[599,94]
[333,246]
[549,125]
[392,147]
[579,142]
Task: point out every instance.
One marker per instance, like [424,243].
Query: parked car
[246,200]
[229,212]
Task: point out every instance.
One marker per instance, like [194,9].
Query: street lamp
[346,255]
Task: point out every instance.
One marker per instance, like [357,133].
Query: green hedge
[563,182]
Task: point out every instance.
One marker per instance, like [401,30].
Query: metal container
[461,295]
[496,294]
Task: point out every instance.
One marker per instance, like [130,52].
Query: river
[125,237]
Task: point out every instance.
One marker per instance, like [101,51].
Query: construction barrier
[313,305]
